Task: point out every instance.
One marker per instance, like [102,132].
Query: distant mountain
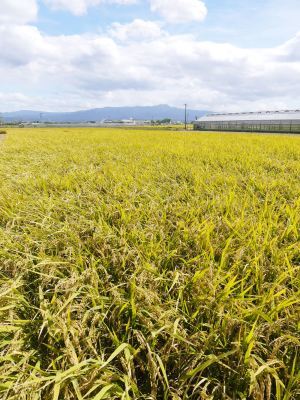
[106,113]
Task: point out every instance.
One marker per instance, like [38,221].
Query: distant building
[266,121]
[129,121]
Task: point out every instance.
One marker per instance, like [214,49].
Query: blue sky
[214,54]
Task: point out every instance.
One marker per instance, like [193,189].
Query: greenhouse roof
[286,115]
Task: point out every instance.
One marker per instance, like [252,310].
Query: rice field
[149,265]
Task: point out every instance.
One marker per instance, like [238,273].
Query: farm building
[266,121]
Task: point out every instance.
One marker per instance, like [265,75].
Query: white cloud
[177,11]
[136,30]
[23,44]
[19,12]
[290,51]
[79,71]
[80,7]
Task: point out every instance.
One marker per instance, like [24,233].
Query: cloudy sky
[217,55]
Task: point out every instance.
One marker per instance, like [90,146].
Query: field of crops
[149,265]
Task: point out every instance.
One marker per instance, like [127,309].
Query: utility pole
[185,116]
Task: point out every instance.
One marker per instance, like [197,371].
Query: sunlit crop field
[149,265]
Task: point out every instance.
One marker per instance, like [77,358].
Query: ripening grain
[149,265]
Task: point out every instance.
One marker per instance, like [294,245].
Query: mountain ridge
[157,112]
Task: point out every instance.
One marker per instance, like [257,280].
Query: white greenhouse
[266,121]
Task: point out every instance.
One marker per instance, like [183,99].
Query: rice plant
[149,265]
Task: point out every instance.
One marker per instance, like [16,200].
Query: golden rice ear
[146,264]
